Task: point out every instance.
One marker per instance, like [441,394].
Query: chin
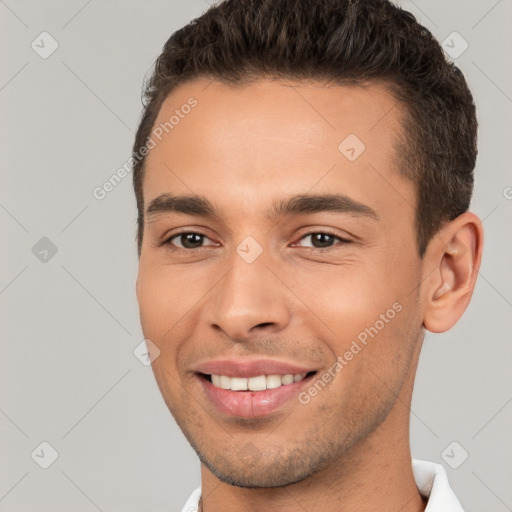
[262,476]
[254,470]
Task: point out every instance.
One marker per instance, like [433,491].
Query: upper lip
[250,367]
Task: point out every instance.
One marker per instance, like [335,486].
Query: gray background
[69,320]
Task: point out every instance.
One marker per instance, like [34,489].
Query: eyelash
[199,249]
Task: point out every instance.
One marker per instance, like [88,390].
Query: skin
[242,148]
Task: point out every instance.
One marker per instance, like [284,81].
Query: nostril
[265,324]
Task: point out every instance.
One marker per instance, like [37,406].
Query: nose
[249,300]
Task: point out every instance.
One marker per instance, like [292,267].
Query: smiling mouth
[257,383]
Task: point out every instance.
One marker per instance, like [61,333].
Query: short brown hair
[339,41]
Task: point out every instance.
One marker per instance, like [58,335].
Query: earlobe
[452,262]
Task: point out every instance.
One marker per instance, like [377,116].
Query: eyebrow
[302,204]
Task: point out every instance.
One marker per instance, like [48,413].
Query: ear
[450,268]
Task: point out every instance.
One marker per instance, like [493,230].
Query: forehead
[241,142]
[307,110]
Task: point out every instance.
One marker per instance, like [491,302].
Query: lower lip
[251,404]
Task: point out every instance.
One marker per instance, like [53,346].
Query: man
[303,172]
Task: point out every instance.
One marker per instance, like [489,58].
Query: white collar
[430,478]
[432,482]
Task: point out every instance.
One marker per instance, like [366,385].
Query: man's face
[259,291]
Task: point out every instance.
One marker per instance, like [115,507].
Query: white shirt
[430,478]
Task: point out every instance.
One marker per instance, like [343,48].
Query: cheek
[374,360]
[157,311]
[364,302]
[348,297]
[164,295]
[151,304]
[158,318]
[170,301]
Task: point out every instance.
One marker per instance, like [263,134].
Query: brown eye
[191,240]
[187,240]
[322,240]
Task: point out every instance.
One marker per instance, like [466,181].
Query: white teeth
[273,381]
[287,379]
[225,382]
[238,384]
[259,383]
